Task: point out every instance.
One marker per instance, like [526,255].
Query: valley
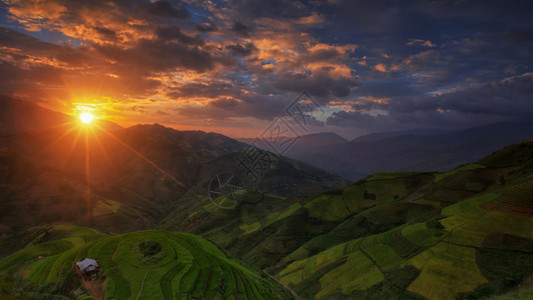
[298,232]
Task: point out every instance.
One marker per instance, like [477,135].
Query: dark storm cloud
[318,85]
[159,55]
[240,50]
[218,110]
[261,107]
[224,103]
[106,33]
[241,29]
[246,58]
[509,97]
[271,9]
[208,90]
[26,44]
[207,27]
[165,9]
[387,88]
[389,27]
[11,74]
[504,100]
[328,54]
[522,36]
[174,33]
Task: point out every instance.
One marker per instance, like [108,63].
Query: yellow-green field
[186,266]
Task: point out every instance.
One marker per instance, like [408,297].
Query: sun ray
[74,143]
[101,146]
[72,128]
[150,162]
[88,176]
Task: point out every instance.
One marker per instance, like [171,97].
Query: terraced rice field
[440,266]
[394,239]
[517,200]
[355,265]
[187,266]
[332,270]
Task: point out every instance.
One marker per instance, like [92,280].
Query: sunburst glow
[86,117]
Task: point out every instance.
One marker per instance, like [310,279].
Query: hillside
[17,116]
[121,179]
[462,233]
[465,233]
[480,246]
[139,265]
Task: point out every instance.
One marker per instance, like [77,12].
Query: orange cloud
[311,20]
[419,42]
[380,68]
[146,59]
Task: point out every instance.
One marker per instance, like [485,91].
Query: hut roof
[87,264]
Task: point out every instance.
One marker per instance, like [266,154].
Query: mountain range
[148,203]
[422,150]
[125,178]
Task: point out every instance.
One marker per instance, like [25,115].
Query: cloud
[419,42]
[241,29]
[207,27]
[504,100]
[422,60]
[210,89]
[321,52]
[156,55]
[166,9]
[246,59]
[174,33]
[239,50]
[319,85]
[380,68]
[314,20]
[261,107]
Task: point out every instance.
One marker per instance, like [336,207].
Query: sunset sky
[233,66]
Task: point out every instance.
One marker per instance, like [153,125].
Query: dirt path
[95,287]
[142,285]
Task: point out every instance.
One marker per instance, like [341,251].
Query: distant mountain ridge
[373,137]
[17,116]
[125,178]
[301,143]
[421,150]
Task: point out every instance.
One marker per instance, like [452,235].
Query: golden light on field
[86,117]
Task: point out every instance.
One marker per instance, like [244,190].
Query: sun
[86,117]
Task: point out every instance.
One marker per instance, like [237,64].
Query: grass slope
[151,264]
[129,178]
[479,244]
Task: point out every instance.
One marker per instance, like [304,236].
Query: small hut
[88,268]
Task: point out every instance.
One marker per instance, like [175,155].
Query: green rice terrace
[470,248]
[462,234]
[466,233]
[467,252]
[138,265]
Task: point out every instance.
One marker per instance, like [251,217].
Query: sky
[237,67]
